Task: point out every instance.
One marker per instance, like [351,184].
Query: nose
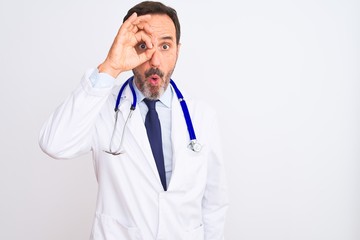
[155,59]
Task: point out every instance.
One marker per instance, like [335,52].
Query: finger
[140,24]
[145,56]
[135,23]
[139,19]
[134,20]
[128,23]
[145,26]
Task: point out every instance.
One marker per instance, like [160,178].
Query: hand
[123,55]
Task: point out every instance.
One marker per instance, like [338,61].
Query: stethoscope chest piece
[195,146]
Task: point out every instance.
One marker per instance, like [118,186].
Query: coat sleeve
[68,131]
[215,201]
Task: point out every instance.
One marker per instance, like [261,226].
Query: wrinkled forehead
[162,26]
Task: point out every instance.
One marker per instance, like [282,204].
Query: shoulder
[192,100]
[197,106]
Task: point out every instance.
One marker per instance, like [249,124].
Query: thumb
[147,55]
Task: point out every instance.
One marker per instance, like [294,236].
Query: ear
[178,50]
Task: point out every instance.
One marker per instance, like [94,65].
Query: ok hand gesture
[124,53]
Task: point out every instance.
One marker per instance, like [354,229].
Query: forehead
[162,25]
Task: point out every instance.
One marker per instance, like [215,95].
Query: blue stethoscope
[193,145]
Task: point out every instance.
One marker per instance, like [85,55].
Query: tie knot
[150,103]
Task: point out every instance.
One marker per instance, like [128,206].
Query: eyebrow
[167,38]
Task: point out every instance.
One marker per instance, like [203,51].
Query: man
[148,190]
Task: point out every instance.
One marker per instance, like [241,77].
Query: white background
[283,76]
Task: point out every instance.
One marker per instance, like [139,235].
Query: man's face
[153,76]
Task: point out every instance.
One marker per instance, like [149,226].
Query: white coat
[131,203]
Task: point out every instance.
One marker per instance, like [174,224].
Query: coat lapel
[180,139]
[137,128]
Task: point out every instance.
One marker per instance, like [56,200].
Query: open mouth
[154,79]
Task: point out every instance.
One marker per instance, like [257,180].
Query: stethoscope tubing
[185,111]
[194,145]
[127,82]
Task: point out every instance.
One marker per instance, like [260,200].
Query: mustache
[154,71]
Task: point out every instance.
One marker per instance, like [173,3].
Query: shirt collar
[165,99]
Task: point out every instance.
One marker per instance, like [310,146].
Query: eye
[142,46]
[165,46]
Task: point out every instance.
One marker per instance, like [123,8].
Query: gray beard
[149,91]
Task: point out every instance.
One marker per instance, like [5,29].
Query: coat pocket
[109,228]
[195,234]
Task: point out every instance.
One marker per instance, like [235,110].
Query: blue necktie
[153,130]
